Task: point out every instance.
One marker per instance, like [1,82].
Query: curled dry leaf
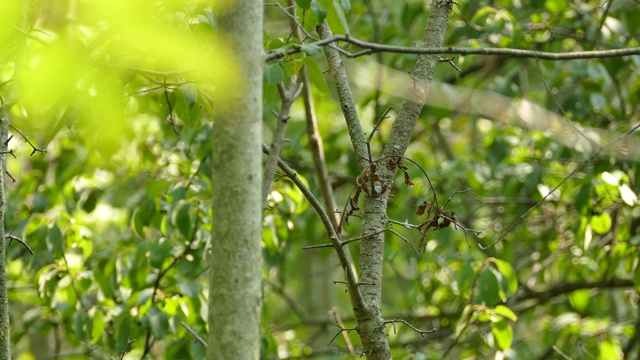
[407,179]
[391,164]
[421,208]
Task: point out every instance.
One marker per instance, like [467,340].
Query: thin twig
[356,295]
[421,332]
[288,97]
[569,176]
[12,237]
[171,119]
[404,239]
[336,316]
[26,138]
[194,334]
[377,125]
[126,346]
[371,48]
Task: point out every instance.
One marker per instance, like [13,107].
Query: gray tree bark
[5,343]
[235,280]
[369,318]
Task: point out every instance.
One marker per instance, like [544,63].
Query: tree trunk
[370,322]
[5,343]
[235,281]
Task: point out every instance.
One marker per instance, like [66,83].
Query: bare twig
[336,316]
[348,104]
[345,262]
[26,138]
[340,332]
[126,346]
[450,61]
[371,48]
[12,238]
[413,247]
[171,117]
[569,176]
[288,97]
[290,11]
[344,242]
[421,332]
[194,334]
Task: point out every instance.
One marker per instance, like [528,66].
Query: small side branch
[371,48]
[336,316]
[194,334]
[350,275]
[26,138]
[288,98]
[15,238]
[569,176]
[348,104]
[421,332]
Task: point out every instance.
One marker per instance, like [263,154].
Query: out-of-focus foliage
[117,210]
[562,281]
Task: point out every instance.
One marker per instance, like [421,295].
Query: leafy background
[117,210]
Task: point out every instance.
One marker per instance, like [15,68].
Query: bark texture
[235,280]
[5,343]
[370,322]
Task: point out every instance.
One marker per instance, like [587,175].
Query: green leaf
[311,49]
[157,187]
[555,6]
[159,322]
[160,251]
[583,196]
[91,201]
[195,117]
[190,93]
[601,223]
[143,216]
[181,109]
[189,289]
[318,10]
[509,276]
[502,333]
[579,299]
[55,240]
[97,327]
[610,350]
[336,18]
[182,219]
[315,75]
[144,296]
[80,325]
[104,283]
[303,4]
[488,289]
[273,74]
[506,312]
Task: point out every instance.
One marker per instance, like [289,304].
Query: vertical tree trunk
[5,343]
[235,292]
[371,326]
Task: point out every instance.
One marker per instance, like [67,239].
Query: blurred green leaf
[159,322]
[502,333]
[601,223]
[273,74]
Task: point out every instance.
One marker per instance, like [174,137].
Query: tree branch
[288,98]
[352,281]
[347,103]
[371,48]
